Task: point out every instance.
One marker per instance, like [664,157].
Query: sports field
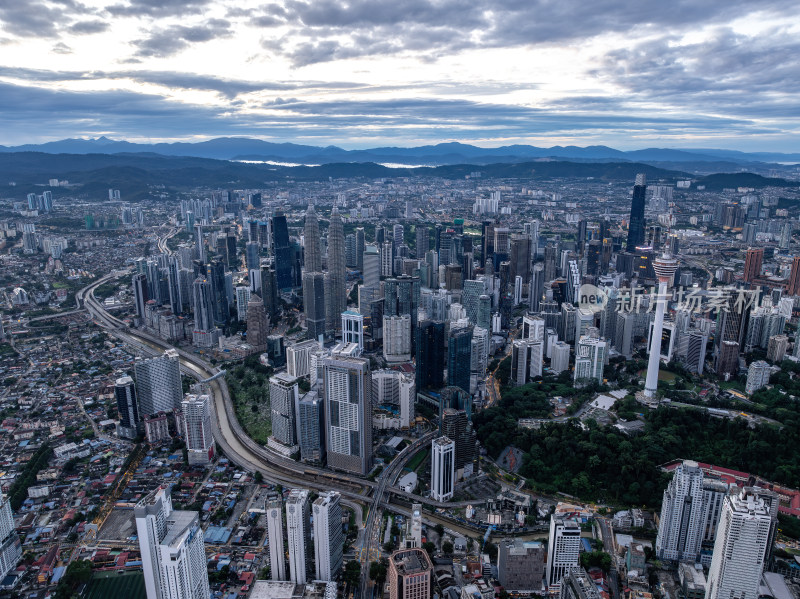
[103,585]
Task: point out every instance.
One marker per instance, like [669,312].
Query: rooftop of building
[179,526]
[411,561]
[272,589]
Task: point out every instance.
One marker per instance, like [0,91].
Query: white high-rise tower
[298,534]
[665,268]
[277,551]
[741,547]
[171,543]
[680,529]
[328,536]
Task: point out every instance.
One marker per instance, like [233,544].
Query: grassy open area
[129,585]
[417,460]
[249,387]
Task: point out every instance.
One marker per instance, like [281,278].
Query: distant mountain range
[138,174]
[244,148]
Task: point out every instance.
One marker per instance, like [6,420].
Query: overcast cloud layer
[404,72]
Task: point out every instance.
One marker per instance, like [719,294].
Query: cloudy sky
[360,73]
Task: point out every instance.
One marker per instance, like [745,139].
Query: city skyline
[407,73]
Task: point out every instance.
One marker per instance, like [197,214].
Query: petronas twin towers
[324,295]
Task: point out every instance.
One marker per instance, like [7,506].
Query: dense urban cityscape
[411,386]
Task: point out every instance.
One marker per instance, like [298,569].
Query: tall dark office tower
[282,252]
[140,296]
[593,255]
[313,255]
[350,258]
[232,251]
[314,303]
[402,297]
[581,241]
[487,234]
[269,291]
[173,286]
[521,257]
[200,248]
[636,224]
[361,244]
[625,263]
[251,256]
[455,425]
[537,287]
[437,238]
[446,248]
[297,260]
[337,301]
[255,200]
[430,355]
[264,234]
[128,408]
[550,253]
[423,241]
[203,305]
[459,351]
[380,235]
[221,247]
[219,296]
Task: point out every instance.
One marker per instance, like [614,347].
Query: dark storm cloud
[165,42]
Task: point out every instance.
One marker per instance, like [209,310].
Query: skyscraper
[563,549]
[298,534]
[636,222]
[752,263]
[284,396]
[197,424]
[219,295]
[665,268]
[353,328]
[794,277]
[337,302]
[140,296]
[409,575]
[348,403]
[128,408]
[430,355]
[171,544]
[10,544]
[443,474]
[680,527]
[314,304]
[456,426]
[277,550]
[590,359]
[311,427]
[741,547]
[328,537]
[257,323]
[313,253]
[459,350]
[282,251]
[158,383]
[423,241]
